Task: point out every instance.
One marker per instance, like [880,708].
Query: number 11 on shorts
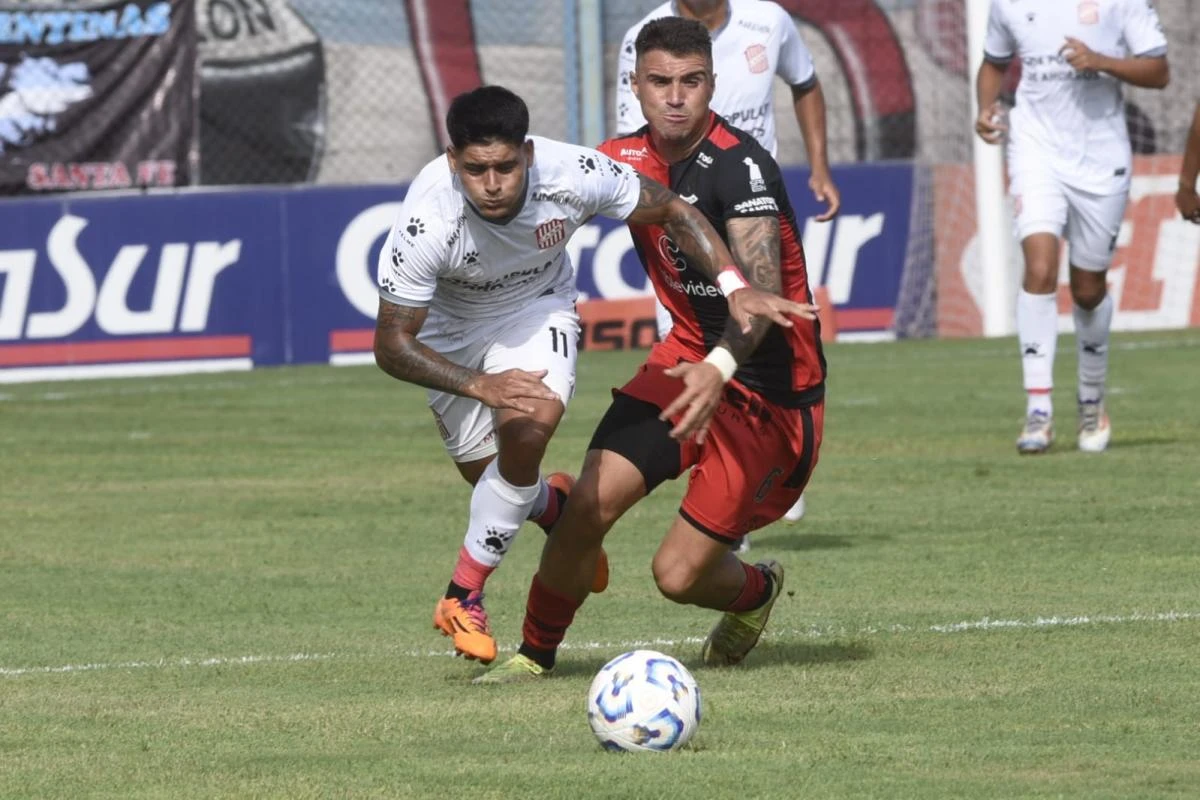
[555,335]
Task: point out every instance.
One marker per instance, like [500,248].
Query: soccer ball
[643,700]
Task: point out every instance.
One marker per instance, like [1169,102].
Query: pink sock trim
[469,573]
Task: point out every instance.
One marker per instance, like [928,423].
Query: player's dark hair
[674,35]
[487,114]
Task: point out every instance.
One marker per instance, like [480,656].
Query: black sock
[544,658]
[457,592]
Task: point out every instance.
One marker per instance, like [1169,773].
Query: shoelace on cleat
[1089,417]
[473,607]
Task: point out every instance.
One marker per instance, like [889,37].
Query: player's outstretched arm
[755,245]
[700,242]
[401,355]
[1186,199]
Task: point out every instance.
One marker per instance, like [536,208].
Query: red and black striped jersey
[728,176]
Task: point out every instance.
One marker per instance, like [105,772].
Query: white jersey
[757,42]
[1070,123]
[442,254]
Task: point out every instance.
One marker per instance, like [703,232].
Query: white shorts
[1089,222]
[545,335]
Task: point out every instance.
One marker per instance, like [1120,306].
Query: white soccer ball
[643,700]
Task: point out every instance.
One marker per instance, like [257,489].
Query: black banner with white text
[97,98]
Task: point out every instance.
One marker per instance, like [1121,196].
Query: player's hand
[748,303]
[1188,203]
[702,389]
[825,192]
[1080,56]
[513,388]
[990,124]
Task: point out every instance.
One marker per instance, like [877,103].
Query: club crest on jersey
[1089,12]
[550,233]
[757,184]
[756,58]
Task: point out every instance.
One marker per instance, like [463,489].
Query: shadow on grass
[788,540]
[768,653]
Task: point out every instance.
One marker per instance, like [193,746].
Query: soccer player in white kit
[753,41]
[477,304]
[1069,165]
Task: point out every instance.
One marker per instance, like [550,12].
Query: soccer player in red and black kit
[742,407]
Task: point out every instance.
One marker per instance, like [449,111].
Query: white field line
[814,632]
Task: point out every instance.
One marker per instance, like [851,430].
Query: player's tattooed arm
[687,227]
[399,354]
[755,245]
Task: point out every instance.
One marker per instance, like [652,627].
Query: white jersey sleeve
[998,42]
[1142,29]
[795,63]
[414,254]
[605,186]
[629,111]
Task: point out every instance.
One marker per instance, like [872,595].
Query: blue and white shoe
[1094,430]
[1037,434]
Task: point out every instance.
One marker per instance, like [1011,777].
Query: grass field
[221,586]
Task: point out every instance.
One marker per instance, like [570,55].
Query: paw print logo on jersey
[471,259]
[415,227]
[587,164]
[388,285]
[397,257]
[613,167]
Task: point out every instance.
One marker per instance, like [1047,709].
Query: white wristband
[729,280]
[723,360]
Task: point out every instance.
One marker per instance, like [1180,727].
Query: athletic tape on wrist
[723,360]
[730,279]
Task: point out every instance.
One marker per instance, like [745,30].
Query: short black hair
[674,35]
[487,114]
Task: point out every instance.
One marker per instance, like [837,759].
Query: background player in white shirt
[1186,199]
[477,304]
[1069,165]
[753,41]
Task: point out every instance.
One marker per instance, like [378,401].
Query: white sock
[497,510]
[543,499]
[1037,333]
[1091,336]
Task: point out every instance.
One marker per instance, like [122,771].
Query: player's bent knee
[675,581]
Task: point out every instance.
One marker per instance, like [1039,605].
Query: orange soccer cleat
[466,622]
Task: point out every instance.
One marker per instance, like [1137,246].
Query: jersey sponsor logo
[757,184]
[756,204]
[705,160]
[458,229]
[756,59]
[753,26]
[634,152]
[670,253]
[691,288]
[550,233]
[562,197]
[1089,12]
[690,199]
[511,280]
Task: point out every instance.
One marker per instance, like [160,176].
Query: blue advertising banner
[192,281]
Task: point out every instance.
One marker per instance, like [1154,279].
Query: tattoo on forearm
[686,226]
[399,354]
[755,245]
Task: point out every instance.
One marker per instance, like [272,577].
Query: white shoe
[796,512]
[1037,434]
[1094,430]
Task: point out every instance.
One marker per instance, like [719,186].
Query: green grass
[221,586]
